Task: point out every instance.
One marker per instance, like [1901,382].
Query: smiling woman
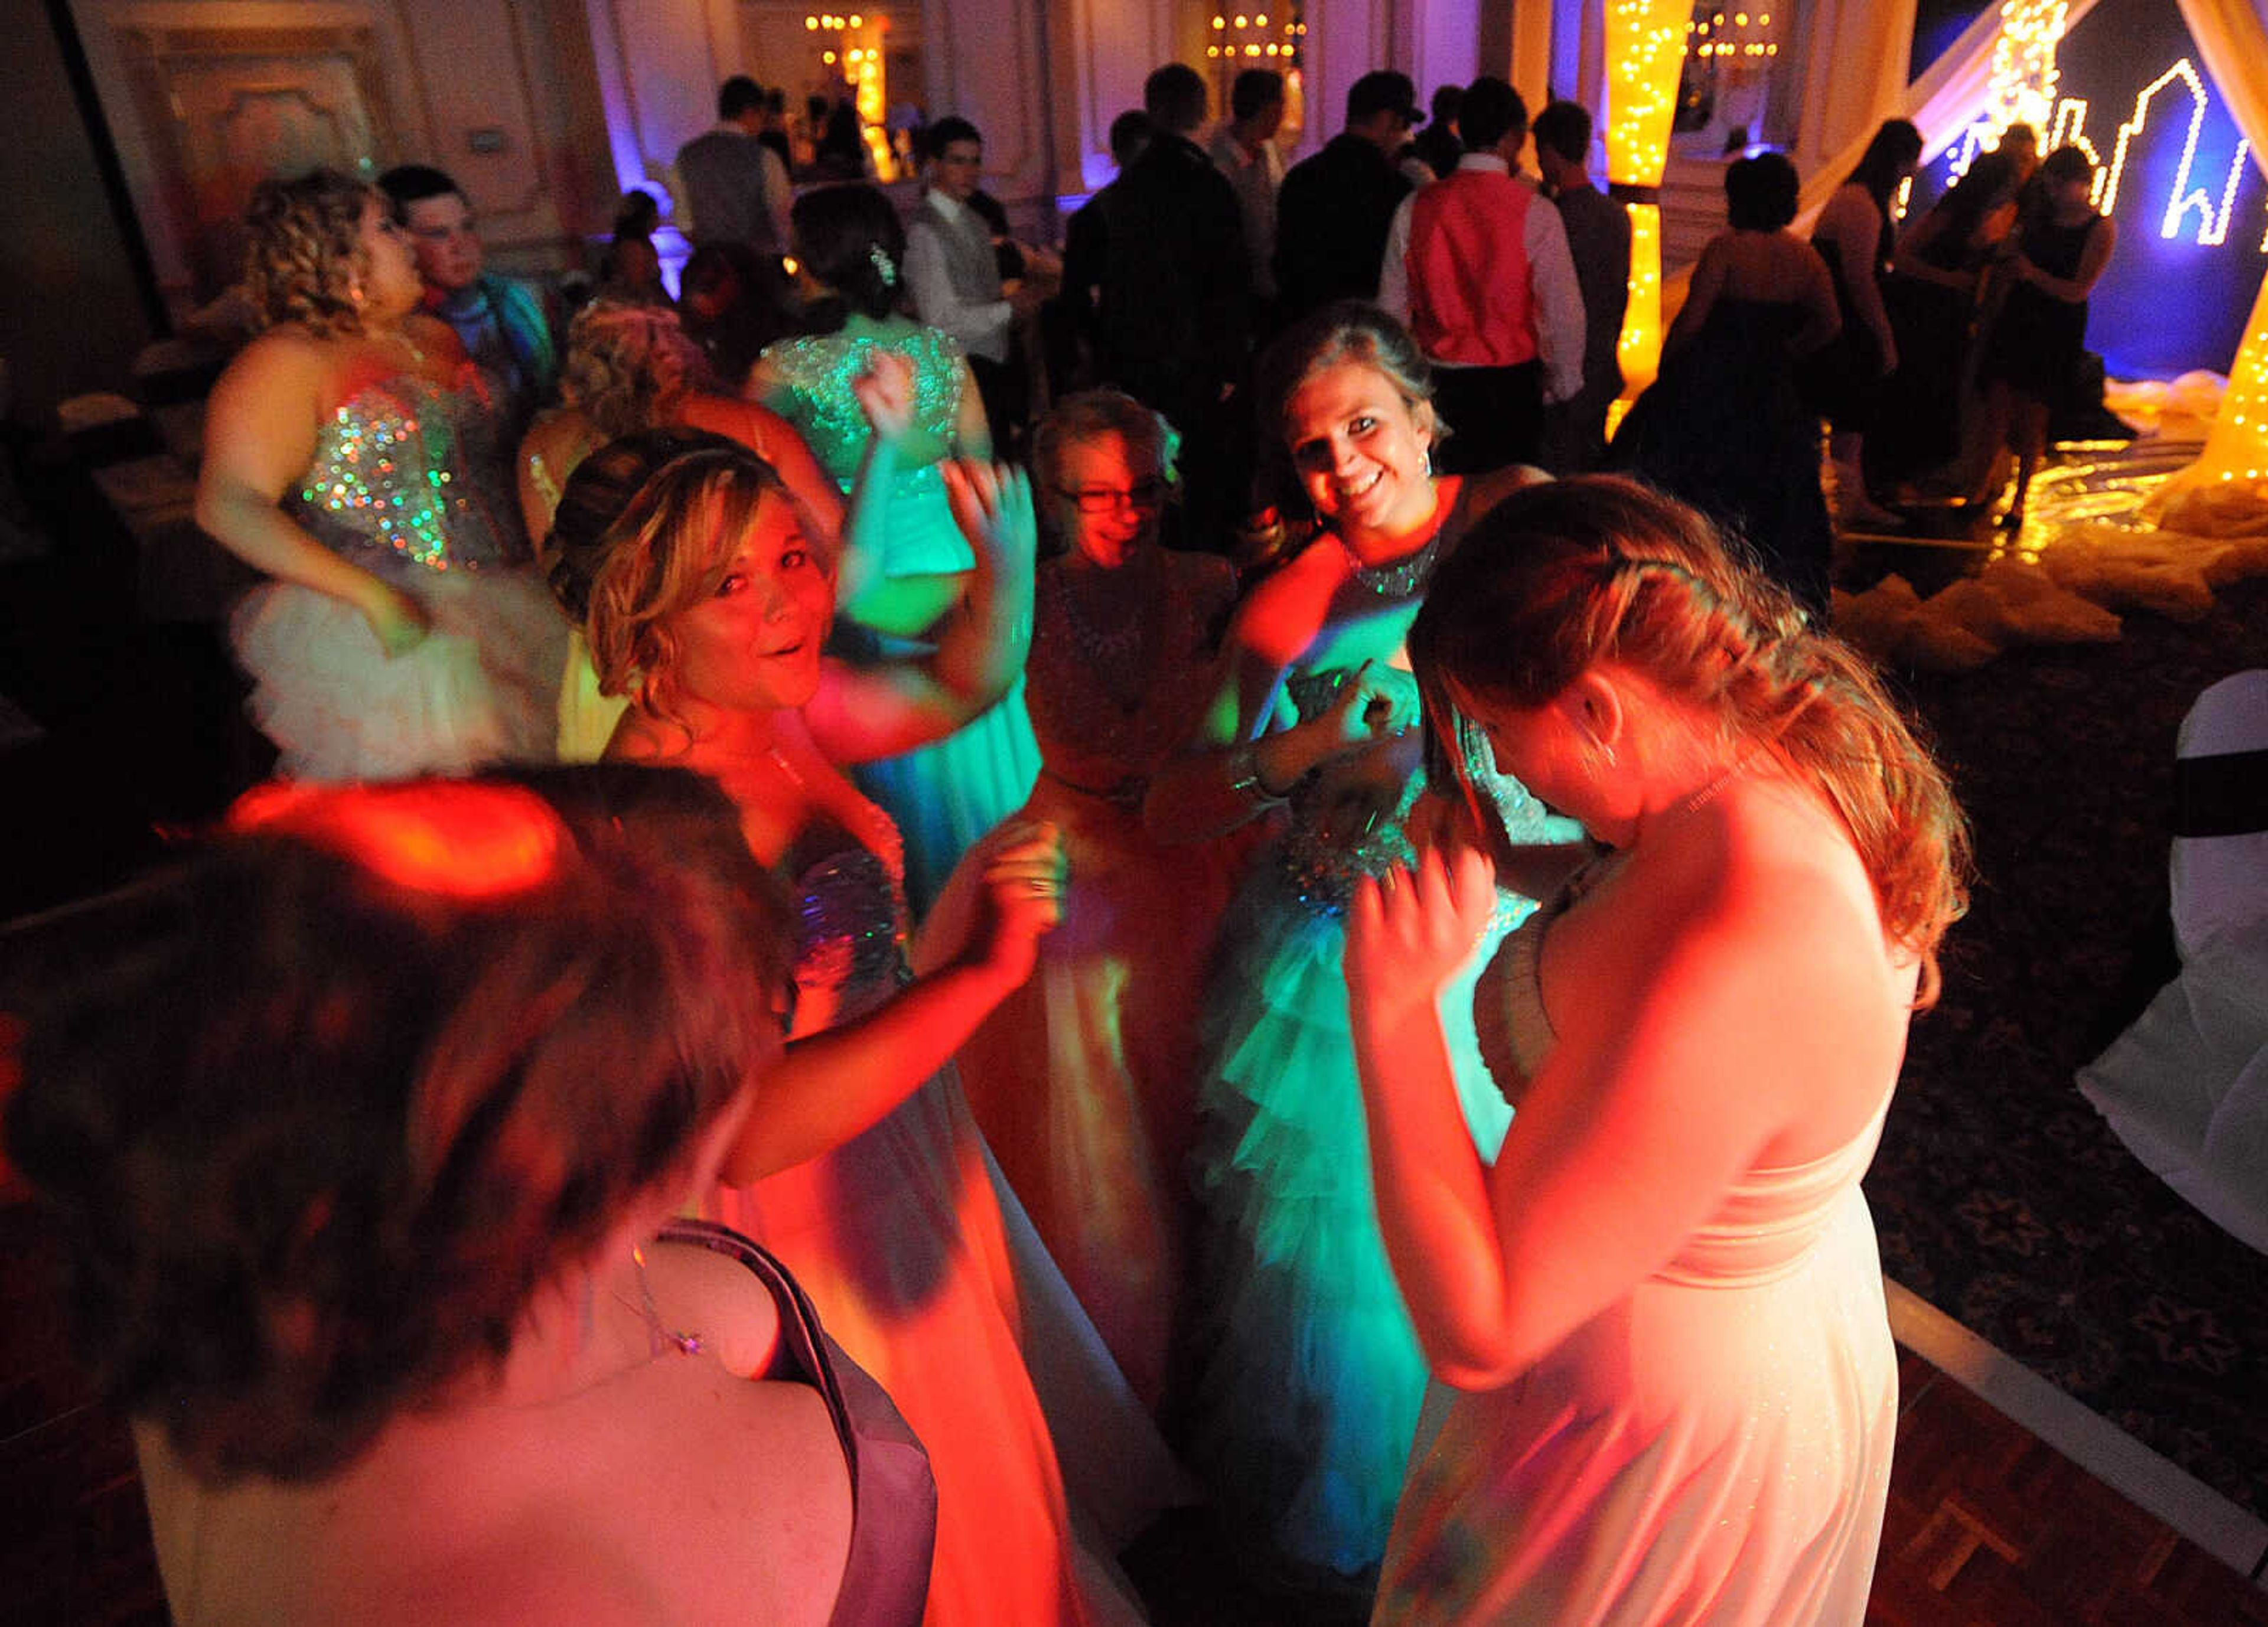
[691,566]
[1311,1376]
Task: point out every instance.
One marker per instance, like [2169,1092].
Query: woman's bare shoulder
[555,430]
[721,1300]
[285,350]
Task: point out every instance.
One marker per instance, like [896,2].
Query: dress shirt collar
[952,210]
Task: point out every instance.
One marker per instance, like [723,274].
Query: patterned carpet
[2000,1196]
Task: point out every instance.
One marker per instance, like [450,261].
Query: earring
[1604,751]
[354,292]
[1428,456]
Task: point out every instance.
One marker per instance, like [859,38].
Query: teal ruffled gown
[943,797]
[1309,1375]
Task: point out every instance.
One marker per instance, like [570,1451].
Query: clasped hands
[1003,896]
[1376,702]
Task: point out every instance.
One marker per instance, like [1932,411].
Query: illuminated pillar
[1645,51]
[2023,82]
[2225,492]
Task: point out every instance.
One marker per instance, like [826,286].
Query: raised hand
[885,390]
[1411,931]
[992,505]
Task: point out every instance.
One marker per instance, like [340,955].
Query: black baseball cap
[1384,91]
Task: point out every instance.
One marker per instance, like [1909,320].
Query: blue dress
[1310,1374]
[408,482]
[944,795]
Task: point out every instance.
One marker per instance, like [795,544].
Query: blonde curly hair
[306,258]
[629,366]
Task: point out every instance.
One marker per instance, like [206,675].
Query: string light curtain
[1645,55]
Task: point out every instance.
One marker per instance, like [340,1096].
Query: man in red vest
[1478,265]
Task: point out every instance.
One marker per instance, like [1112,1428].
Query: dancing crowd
[851,991]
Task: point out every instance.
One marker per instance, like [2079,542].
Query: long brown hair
[1562,576]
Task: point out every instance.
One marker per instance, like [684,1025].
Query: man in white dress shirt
[1244,149]
[953,272]
[1478,265]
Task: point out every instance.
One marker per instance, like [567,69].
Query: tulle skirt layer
[1310,1375]
[480,689]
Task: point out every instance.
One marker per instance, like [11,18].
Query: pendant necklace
[659,1336]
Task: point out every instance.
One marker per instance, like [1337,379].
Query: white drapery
[1942,102]
[2225,492]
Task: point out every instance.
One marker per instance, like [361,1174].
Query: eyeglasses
[1143,496]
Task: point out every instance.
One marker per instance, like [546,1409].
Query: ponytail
[1564,575]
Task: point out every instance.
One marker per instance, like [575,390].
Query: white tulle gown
[405,484]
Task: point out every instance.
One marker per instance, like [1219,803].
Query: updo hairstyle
[316,1112]
[306,255]
[1562,576]
[647,528]
[628,365]
[1090,415]
[850,237]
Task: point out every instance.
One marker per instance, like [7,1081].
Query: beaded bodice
[851,916]
[1325,852]
[407,474]
[1118,678]
[817,372]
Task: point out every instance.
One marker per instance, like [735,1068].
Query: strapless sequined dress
[1310,1377]
[946,795]
[1714,1447]
[406,484]
[899,1237]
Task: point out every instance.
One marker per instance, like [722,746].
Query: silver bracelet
[1244,777]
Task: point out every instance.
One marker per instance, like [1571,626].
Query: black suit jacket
[1331,221]
[1176,286]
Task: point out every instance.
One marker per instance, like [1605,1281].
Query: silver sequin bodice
[406,475]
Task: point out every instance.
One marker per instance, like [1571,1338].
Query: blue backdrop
[2164,306]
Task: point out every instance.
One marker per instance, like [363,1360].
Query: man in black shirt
[1332,215]
[1176,286]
